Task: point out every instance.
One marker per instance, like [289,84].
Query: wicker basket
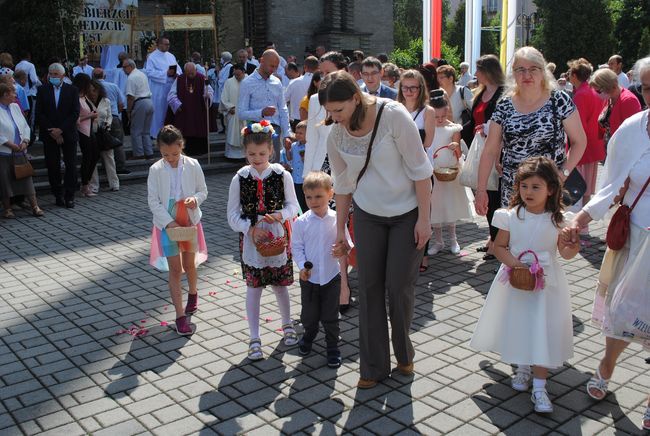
[444,174]
[272,245]
[520,277]
[179,234]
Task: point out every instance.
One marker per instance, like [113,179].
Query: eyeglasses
[369,74]
[410,88]
[520,71]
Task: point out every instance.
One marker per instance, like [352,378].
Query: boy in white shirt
[313,236]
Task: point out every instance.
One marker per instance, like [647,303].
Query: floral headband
[262,127]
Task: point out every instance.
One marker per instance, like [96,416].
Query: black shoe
[343,308]
[69,204]
[333,358]
[59,201]
[303,348]
[123,172]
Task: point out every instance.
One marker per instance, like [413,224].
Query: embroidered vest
[259,197]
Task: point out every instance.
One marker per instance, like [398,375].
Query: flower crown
[262,127]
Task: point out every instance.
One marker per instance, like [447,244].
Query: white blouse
[628,155]
[397,160]
[250,256]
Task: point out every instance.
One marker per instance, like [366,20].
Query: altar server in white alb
[161,69]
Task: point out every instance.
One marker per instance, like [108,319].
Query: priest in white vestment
[161,69]
[234,125]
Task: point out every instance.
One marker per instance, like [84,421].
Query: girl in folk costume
[261,203]
[450,201]
[534,326]
[176,189]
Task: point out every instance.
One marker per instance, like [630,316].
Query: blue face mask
[56,81]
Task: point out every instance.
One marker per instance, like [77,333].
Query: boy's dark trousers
[321,303]
[300,195]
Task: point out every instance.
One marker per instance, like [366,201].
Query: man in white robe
[234,125]
[161,69]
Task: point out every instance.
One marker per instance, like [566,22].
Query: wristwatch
[566,172]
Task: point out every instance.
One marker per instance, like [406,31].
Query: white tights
[437,232]
[253,297]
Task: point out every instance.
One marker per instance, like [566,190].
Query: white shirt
[628,155]
[465,78]
[137,85]
[623,80]
[312,238]
[317,134]
[30,70]
[398,160]
[295,92]
[250,256]
[86,69]
[457,103]
[175,179]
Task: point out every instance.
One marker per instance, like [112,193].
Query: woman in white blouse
[624,272]
[97,95]
[388,176]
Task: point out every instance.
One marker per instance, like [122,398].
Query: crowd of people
[358,163]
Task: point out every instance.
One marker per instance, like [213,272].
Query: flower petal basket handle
[444,174]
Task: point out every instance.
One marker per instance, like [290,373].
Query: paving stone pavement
[71,280]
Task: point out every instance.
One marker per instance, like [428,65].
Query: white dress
[524,327]
[450,201]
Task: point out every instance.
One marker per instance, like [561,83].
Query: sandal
[598,383]
[489,257]
[255,349]
[8,214]
[290,335]
[37,211]
[482,249]
[645,423]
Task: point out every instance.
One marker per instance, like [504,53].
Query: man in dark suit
[242,58]
[371,73]
[57,111]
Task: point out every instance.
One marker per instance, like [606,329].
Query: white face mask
[385,83]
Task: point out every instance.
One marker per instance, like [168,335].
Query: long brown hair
[545,169]
[340,86]
[423,96]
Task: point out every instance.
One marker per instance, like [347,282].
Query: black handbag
[105,140]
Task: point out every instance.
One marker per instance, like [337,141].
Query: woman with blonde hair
[621,103]
[530,120]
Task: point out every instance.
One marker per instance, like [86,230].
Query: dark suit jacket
[250,69]
[64,116]
[384,91]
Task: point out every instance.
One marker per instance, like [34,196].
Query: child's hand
[191,203]
[273,217]
[452,146]
[305,274]
[340,249]
[172,225]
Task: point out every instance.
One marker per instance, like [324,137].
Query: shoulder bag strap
[372,139]
[418,113]
[636,200]
[462,96]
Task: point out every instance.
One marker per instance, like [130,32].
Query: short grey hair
[641,67]
[226,56]
[56,68]
[464,64]
[130,62]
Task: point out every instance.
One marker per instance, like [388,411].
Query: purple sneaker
[192,304]
[183,326]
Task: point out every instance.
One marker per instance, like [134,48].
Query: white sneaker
[542,403]
[435,248]
[455,248]
[521,380]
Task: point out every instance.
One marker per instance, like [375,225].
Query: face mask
[55,81]
[385,83]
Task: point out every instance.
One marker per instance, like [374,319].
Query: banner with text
[107,22]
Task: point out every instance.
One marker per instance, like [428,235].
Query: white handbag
[469,176]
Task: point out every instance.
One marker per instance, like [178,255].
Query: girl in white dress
[530,327]
[450,201]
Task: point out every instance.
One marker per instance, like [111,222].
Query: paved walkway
[73,282]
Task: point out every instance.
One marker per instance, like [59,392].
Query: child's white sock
[523,368]
[282,296]
[437,234]
[539,383]
[451,229]
[253,296]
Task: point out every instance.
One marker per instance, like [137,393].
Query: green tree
[408,21]
[455,34]
[631,31]
[574,28]
[51,32]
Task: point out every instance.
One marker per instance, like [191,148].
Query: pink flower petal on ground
[278,329]
[120,332]
[165,307]
[463,253]
[143,321]
[163,323]
[227,281]
[234,286]
[245,317]
[268,319]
